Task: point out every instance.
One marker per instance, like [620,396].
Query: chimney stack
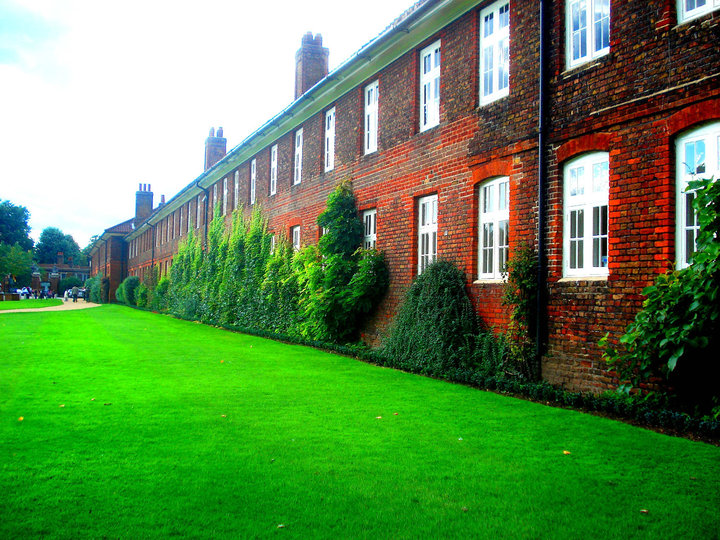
[60,258]
[143,203]
[311,63]
[215,147]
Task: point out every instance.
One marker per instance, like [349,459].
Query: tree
[14,228]
[16,262]
[52,240]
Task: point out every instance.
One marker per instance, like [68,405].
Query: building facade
[471,128]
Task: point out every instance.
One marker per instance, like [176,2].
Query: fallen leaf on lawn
[378,417]
[92,399]
[223,415]
[107,403]
[395,414]
[21,419]
[460,439]
[566,452]
[464,509]
[61,406]
[222,361]
[281,526]
[643,511]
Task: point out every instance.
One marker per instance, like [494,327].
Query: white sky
[98,96]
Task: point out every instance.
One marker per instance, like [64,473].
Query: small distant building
[48,276]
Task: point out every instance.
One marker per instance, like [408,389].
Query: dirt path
[69,305]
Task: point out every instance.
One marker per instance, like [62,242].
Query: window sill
[578,69]
[576,279]
[490,281]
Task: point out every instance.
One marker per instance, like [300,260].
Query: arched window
[585,215]
[697,155]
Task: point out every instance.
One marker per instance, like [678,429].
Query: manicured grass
[30,304]
[139,425]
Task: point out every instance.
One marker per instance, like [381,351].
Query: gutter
[540,302]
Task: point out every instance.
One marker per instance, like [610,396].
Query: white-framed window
[272,244]
[369,218]
[253,180]
[697,155]
[295,235]
[180,221]
[330,140]
[585,211]
[197,213]
[236,189]
[188,217]
[691,9]
[427,231]
[297,169]
[587,27]
[214,198]
[225,196]
[493,228]
[494,52]
[430,86]
[372,98]
[273,169]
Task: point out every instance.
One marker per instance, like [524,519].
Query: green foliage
[339,283]
[14,226]
[52,240]
[435,328]
[520,294]
[68,283]
[676,332]
[141,295]
[94,286]
[125,293]
[15,261]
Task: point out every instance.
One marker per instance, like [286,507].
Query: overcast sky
[98,96]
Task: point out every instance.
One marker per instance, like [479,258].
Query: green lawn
[30,304]
[139,425]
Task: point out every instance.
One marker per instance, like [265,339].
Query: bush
[675,335]
[125,292]
[94,285]
[435,328]
[141,295]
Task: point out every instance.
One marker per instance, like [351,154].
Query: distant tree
[53,240]
[14,227]
[16,262]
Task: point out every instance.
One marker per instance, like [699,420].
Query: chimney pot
[311,63]
[215,148]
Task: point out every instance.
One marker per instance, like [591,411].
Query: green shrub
[435,328]
[126,291]
[94,285]
[120,294]
[141,295]
[675,335]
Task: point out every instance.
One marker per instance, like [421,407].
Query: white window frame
[585,215]
[253,180]
[189,213]
[687,12]
[180,219]
[197,213]
[225,196]
[372,101]
[493,228]
[214,199]
[494,52]
[273,169]
[703,162]
[236,189]
[330,140]
[297,161]
[295,237]
[369,218]
[427,219]
[430,61]
[579,36]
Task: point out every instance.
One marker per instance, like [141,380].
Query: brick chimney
[143,203]
[215,147]
[60,258]
[311,63]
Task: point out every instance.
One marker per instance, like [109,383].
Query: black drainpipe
[540,324]
[152,249]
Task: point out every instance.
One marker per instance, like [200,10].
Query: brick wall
[657,80]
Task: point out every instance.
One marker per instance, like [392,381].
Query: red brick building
[470,128]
